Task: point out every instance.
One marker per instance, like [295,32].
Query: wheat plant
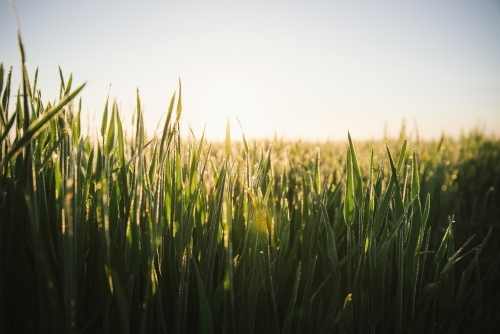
[121,234]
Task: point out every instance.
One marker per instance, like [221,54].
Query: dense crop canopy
[141,235]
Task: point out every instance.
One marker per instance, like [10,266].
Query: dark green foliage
[113,235]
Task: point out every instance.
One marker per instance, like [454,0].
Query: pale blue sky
[302,69]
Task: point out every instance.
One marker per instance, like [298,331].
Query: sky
[309,70]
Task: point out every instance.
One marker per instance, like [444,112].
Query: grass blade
[38,126]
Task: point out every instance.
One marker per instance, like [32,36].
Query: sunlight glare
[227,99]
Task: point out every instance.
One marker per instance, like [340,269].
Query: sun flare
[229,99]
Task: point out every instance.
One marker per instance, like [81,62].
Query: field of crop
[177,235]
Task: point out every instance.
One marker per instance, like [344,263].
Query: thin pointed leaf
[39,125]
[349,205]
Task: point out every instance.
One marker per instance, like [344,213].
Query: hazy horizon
[299,70]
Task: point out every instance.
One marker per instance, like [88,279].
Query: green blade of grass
[110,135]
[443,245]
[228,140]
[39,125]
[349,202]
[331,247]
[356,174]
[287,326]
[179,104]
[205,314]
[245,145]
[316,177]
[7,129]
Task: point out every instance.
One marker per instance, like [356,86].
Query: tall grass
[161,236]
